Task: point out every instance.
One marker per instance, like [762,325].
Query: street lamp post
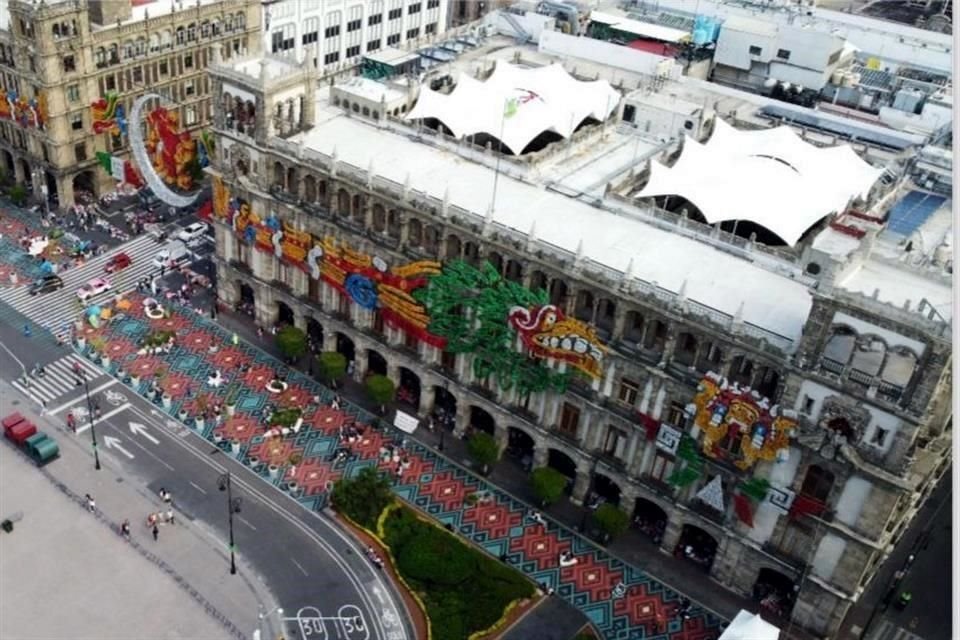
[81,379]
[233,506]
[586,508]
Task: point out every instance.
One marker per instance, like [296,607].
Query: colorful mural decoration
[173,153]
[723,410]
[205,148]
[26,113]
[108,116]
[547,333]
[470,308]
[514,334]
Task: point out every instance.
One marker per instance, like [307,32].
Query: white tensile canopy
[749,626]
[769,177]
[516,104]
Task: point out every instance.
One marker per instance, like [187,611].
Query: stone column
[393,372]
[580,487]
[428,396]
[360,363]
[649,449]
[668,347]
[501,435]
[329,340]
[462,421]
[541,454]
[619,320]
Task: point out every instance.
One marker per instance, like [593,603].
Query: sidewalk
[66,573]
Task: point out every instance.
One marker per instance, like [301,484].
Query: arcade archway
[248,299]
[409,390]
[481,420]
[444,407]
[376,363]
[696,546]
[563,463]
[315,332]
[285,315]
[605,489]
[649,519]
[776,592]
[520,447]
[345,347]
[84,182]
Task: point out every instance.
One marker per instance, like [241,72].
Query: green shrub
[380,389]
[332,366]
[18,194]
[548,484]
[438,557]
[483,449]
[364,497]
[285,417]
[611,519]
[292,342]
[159,338]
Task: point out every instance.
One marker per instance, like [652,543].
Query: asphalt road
[305,559]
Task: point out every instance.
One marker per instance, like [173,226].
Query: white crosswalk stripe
[58,379]
[55,311]
[887,630]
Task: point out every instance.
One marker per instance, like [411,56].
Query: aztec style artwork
[514,334]
[108,116]
[725,411]
[26,113]
[367,280]
[547,333]
[173,152]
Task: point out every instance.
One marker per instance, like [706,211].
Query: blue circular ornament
[362,289]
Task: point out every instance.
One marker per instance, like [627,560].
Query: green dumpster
[42,448]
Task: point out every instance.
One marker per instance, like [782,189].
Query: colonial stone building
[785,463]
[60,58]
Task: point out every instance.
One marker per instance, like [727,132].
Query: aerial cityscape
[476,320]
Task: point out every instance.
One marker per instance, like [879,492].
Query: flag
[743,509]
[805,505]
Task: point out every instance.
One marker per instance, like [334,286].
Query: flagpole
[496,171]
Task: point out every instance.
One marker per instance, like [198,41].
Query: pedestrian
[91,503]
[169,517]
[163,269]
[156,532]
[96,410]
[235,339]
[125,529]
[26,331]
[260,333]
[71,422]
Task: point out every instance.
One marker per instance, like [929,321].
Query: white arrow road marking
[103,418]
[138,429]
[114,443]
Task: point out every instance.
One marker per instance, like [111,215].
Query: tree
[380,390]
[364,497]
[548,484]
[332,366]
[484,450]
[611,519]
[292,342]
[18,194]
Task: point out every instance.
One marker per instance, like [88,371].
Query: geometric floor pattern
[14,222]
[623,602]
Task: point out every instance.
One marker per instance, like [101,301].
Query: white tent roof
[769,177]
[521,103]
[747,626]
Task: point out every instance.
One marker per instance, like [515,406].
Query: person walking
[26,331]
[91,504]
[71,422]
[125,529]
[156,532]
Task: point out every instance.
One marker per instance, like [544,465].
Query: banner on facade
[406,422]
[116,169]
[781,499]
[668,439]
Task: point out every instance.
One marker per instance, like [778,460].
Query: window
[807,405]
[629,390]
[797,540]
[110,83]
[817,483]
[190,115]
[663,464]
[615,443]
[414,8]
[76,121]
[188,61]
[394,14]
[430,28]
[164,68]
[80,151]
[330,58]
[310,38]
[276,41]
[353,25]
[879,438]
[373,45]
[569,420]
[138,75]
[377,19]
[783,54]
[413,33]
[188,88]
[676,415]
[433,4]
[353,51]
[69,64]
[73,93]
[330,32]
[392,40]
[755,51]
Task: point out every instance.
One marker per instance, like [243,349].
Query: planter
[217,438]
[182,415]
[135,381]
[122,375]
[81,343]
[293,488]
[105,361]
[276,386]
[167,401]
[274,471]
[199,423]
[154,314]
[231,409]
[254,462]
[151,394]
[235,448]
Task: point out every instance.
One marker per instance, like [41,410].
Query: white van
[173,254]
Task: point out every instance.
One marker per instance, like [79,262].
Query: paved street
[308,562]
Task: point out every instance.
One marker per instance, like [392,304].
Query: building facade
[334,35]
[785,470]
[77,67]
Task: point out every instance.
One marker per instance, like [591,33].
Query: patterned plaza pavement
[14,222]
[621,600]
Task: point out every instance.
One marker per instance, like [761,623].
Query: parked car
[92,288]
[193,231]
[46,284]
[117,263]
[176,253]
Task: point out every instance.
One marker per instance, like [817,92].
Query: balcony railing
[860,377]
[659,487]
[707,512]
[890,391]
[833,366]
[791,559]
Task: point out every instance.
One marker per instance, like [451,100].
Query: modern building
[72,70]
[775,415]
[336,35]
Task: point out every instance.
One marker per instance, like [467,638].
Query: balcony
[281,285]
[566,436]
[791,559]
[891,392]
[707,512]
[833,366]
[281,194]
[860,377]
[239,265]
[316,209]
[659,487]
[610,460]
